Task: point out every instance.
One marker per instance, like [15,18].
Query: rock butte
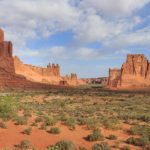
[135,72]
[15,74]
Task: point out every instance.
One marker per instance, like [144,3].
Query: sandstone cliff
[8,77]
[49,74]
[135,72]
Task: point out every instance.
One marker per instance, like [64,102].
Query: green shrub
[110,123]
[24,144]
[95,136]
[50,121]
[21,120]
[28,131]
[92,123]
[2,125]
[63,145]
[54,130]
[112,137]
[38,119]
[71,122]
[101,146]
[8,107]
[143,130]
[142,141]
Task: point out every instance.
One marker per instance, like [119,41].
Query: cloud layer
[114,27]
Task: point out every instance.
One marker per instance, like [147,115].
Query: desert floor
[86,117]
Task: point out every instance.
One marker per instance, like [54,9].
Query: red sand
[40,139]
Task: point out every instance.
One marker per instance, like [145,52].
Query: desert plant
[95,136]
[54,130]
[142,141]
[71,122]
[143,130]
[101,146]
[24,144]
[28,131]
[63,145]
[112,137]
[21,120]
[38,119]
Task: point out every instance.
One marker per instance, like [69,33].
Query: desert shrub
[142,141]
[2,125]
[38,119]
[63,145]
[112,137]
[21,120]
[49,121]
[110,123]
[27,114]
[24,144]
[54,130]
[71,122]
[92,123]
[82,121]
[8,107]
[28,131]
[34,124]
[101,146]
[125,148]
[95,136]
[143,130]
[63,117]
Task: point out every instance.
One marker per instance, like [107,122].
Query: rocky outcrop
[135,72]
[49,74]
[8,77]
[1,35]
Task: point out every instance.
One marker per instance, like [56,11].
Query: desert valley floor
[84,117]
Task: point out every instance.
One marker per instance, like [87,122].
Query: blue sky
[83,36]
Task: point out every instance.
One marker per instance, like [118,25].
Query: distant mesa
[134,73]
[14,73]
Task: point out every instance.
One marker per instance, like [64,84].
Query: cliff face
[8,77]
[135,72]
[114,77]
[49,74]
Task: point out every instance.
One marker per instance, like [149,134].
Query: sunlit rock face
[1,35]
[135,72]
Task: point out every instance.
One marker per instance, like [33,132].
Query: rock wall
[49,74]
[135,72]
[8,77]
[1,35]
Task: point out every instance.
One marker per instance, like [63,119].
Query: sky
[86,37]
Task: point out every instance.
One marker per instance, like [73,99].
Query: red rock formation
[49,74]
[13,73]
[8,77]
[1,35]
[135,72]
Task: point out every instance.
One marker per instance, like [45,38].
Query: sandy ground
[40,139]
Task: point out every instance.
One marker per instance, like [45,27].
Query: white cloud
[107,22]
[114,7]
